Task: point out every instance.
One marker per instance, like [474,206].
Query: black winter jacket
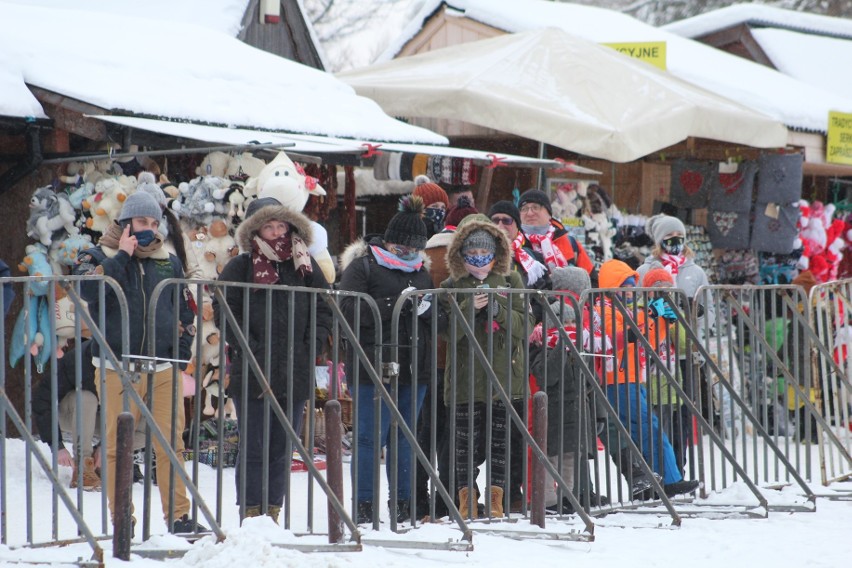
[137,278]
[285,307]
[361,273]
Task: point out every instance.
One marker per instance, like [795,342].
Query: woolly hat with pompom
[407,227]
[657,277]
[429,192]
[460,211]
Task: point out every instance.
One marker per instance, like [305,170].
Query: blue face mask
[145,238]
[478,260]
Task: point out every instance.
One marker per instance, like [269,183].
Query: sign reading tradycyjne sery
[838,143]
[653,52]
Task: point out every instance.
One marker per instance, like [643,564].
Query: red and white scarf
[672,263]
[553,256]
[533,268]
[264,255]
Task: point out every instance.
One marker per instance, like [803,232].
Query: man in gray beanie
[131,252]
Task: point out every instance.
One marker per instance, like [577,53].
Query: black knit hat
[535,196]
[407,227]
[506,208]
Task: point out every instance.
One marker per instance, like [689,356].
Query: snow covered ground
[782,540]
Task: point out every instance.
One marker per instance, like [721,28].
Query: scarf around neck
[389,260]
[553,256]
[672,263]
[112,237]
[265,254]
[533,268]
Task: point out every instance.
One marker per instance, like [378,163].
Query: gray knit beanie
[660,226]
[141,204]
[479,239]
[570,278]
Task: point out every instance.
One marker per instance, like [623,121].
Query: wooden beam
[484,190]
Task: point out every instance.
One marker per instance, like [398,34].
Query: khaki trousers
[161,408]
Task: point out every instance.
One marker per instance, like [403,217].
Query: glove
[659,308]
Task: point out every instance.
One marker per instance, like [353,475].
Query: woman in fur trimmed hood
[480,256]
[384,267]
[274,242]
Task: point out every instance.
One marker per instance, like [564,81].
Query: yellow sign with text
[653,52]
[838,143]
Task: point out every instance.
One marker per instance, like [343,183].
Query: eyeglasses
[531,208]
[502,220]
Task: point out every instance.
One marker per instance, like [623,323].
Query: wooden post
[483,192]
[334,466]
[539,474]
[122,522]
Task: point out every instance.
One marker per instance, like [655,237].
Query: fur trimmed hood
[361,248]
[502,256]
[253,223]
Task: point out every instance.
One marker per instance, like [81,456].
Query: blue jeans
[366,442]
[280,455]
[629,400]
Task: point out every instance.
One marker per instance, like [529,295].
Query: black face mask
[436,216]
[673,246]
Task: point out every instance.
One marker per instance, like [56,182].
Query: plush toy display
[287,183]
[219,248]
[49,213]
[64,253]
[106,204]
[32,328]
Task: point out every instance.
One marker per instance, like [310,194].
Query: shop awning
[306,144]
[550,86]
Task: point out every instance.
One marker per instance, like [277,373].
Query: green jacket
[508,364]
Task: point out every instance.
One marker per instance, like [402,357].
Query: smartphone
[484,286]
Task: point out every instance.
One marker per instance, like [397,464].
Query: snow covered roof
[793,102]
[176,70]
[808,58]
[763,16]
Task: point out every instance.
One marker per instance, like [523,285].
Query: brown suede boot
[496,502]
[91,480]
[253,511]
[273,512]
[464,504]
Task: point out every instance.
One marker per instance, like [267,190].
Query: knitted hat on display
[479,239]
[535,196]
[660,226]
[657,278]
[140,204]
[407,227]
[506,208]
[571,279]
[460,211]
[430,192]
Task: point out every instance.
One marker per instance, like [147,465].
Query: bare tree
[337,19]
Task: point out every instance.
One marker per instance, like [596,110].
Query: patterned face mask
[673,245]
[478,260]
[435,215]
[404,253]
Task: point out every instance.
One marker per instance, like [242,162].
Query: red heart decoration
[731,182]
[691,181]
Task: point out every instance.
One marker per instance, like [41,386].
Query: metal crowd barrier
[831,387]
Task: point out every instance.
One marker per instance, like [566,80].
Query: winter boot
[91,481]
[496,502]
[274,511]
[364,514]
[253,511]
[680,488]
[403,510]
[464,504]
[641,486]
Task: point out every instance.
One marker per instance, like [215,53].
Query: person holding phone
[480,256]
[131,252]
